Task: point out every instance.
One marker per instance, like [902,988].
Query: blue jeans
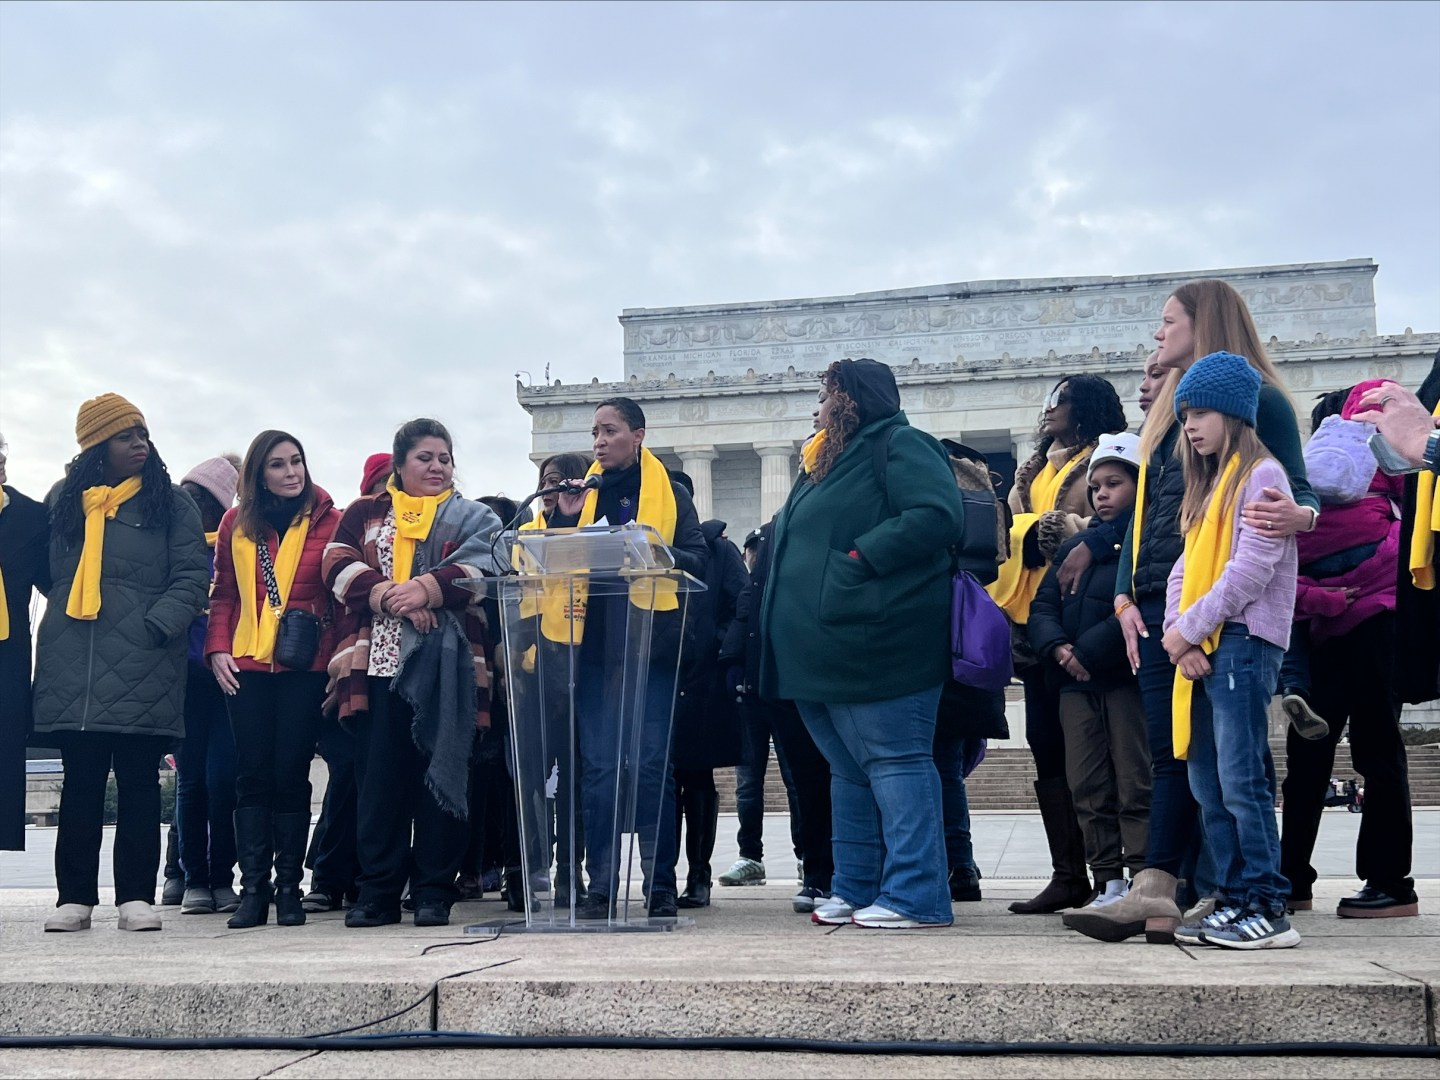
[205,786]
[1175,840]
[616,775]
[885,802]
[1232,773]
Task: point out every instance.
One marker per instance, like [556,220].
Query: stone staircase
[1003,780]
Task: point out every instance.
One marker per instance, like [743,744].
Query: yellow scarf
[414,514]
[1207,550]
[1427,524]
[561,608]
[1137,520]
[4,600]
[211,538]
[255,632]
[562,614]
[810,452]
[1015,588]
[100,503]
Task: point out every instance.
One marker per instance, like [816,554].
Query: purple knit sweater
[1257,586]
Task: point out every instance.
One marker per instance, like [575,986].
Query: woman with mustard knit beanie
[130,571]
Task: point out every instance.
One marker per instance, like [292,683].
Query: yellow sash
[4,600]
[100,503]
[414,514]
[255,631]
[1427,524]
[1137,520]
[1017,584]
[1207,550]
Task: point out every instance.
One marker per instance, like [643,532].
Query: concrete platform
[750,967]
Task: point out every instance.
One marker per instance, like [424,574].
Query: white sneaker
[833,912]
[876,917]
[68,917]
[1114,890]
[138,915]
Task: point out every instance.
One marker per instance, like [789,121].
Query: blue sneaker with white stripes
[1192,931]
[1254,930]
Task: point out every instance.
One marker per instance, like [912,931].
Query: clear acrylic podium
[590,673]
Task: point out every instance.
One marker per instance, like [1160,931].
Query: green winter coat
[124,671]
[836,629]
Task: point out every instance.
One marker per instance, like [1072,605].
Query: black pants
[276,718]
[1043,733]
[1351,682]
[697,815]
[332,859]
[88,758]
[390,773]
[810,773]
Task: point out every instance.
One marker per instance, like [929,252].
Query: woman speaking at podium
[635,486]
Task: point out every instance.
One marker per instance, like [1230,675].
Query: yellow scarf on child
[414,514]
[1427,524]
[100,504]
[1207,550]
[255,631]
[1015,588]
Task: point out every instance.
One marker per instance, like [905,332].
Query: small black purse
[298,638]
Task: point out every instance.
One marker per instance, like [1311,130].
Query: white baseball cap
[1121,447]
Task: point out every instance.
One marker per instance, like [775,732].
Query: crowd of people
[1161,589]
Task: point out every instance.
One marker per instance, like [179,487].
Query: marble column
[695,460]
[777,476]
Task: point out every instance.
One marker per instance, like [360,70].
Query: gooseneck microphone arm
[592,483]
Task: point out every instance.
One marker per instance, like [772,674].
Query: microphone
[591,483]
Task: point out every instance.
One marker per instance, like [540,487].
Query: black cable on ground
[454,1040]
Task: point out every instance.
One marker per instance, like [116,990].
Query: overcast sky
[332,217]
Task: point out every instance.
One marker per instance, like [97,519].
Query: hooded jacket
[872,625]
[123,672]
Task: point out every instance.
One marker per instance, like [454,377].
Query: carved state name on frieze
[727,339]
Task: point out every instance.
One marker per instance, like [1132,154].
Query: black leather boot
[254,846]
[1070,883]
[291,833]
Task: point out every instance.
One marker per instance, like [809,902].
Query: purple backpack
[979,636]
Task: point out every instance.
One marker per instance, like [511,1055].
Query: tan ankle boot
[1148,908]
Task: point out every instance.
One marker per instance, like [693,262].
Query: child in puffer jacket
[1347,564]
[1341,668]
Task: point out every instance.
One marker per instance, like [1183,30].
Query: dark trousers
[1107,754]
[88,758]
[393,798]
[1043,733]
[275,718]
[1175,839]
[810,782]
[1352,683]
[697,806]
[755,735]
[205,785]
[332,857]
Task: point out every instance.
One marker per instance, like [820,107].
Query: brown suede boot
[1148,908]
[1069,885]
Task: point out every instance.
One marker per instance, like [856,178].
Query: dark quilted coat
[307,592]
[1084,619]
[123,672]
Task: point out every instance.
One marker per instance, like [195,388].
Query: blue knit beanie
[1221,381]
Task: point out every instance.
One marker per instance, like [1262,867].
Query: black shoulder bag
[298,638]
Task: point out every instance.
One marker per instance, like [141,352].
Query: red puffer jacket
[308,593]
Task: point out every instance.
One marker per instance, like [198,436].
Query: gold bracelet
[1127,604]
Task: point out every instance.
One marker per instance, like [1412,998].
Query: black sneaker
[432,913]
[368,915]
[322,900]
[1308,724]
[662,905]
[1376,903]
[173,892]
[965,885]
[808,899]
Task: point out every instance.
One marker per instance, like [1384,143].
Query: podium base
[495,927]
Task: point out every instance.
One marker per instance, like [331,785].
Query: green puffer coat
[124,671]
[837,629]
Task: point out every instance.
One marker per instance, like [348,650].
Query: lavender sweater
[1257,586]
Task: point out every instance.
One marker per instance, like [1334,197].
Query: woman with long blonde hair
[1199,318]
